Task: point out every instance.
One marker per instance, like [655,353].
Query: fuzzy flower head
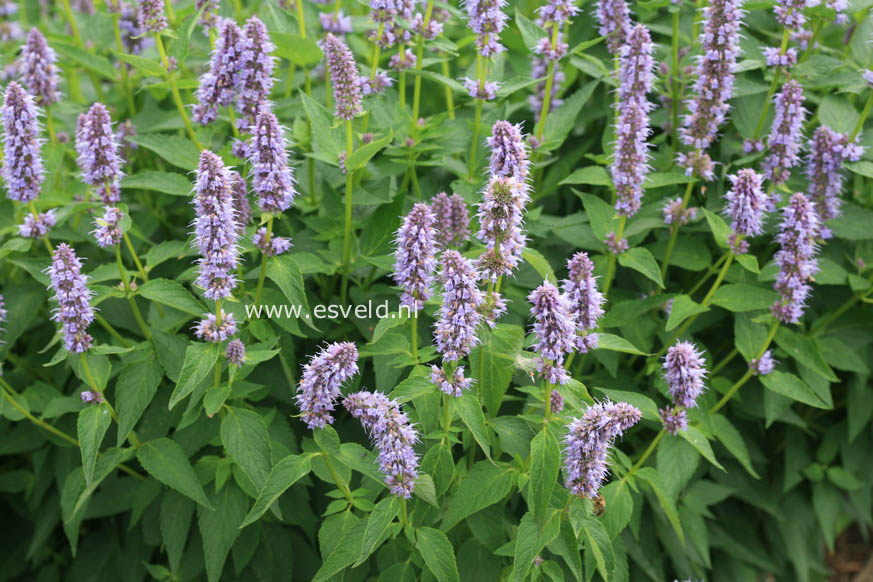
[763,365]
[37,226]
[454,385]
[97,148]
[215,227]
[278,245]
[487,19]
[615,245]
[697,163]
[556,401]
[556,12]
[453,219]
[587,444]
[684,372]
[674,212]
[795,257]
[272,177]
[708,106]
[746,202]
[70,286]
[344,77]
[635,68]
[376,85]
[486,91]
[508,152]
[414,261]
[459,315]
[828,150]
[774,57]
[789,13]
[586,301]
[220,82]
[785,133]
[675,419]
[554,327]
[211,330]
[37,65]
[501,216]
[107,230]
[150,15]
[241,208]
[335,22]
[254,74]
[615,23]
[22,164]
[320,383]
[392,434]
[630,161]
[236,352]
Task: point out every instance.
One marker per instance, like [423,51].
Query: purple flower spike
[459,316]
[278,244]
[2,310]
[616,246]
[272,177]
[344,77]
[453,219]
[209,16]
[714,86]
[376,85]
[508,152]
[776,58]
[150,15]
[586,301]
[37,226]
[789,13]
[98,159]
[107,231]
[763,365]
[615,23]
[391,433]
[635,68]
[674,213]
[487,19]
[556,401]
[22,164]
[254,75]
[236,352]
[697,163]
[335,22]
[488,92]
[219,83]
[586,446]
[827,152]
[70,286]
[684,371]
[675,420]
[414,261]
[556,12]
[241,206]
[746,202]
[796,258]
[453,386]
[37,65]
[630,162]
[555,330]
[323,375]
[215,227]
[501,216]
[785,133]
[209,329]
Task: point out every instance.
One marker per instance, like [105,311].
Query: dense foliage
[552,291]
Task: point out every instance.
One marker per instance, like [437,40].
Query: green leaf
[283,475]
[749,263]
[326,139]
[134,390]
[484,485]
[493,363]
[245,437]
[838,114]
[618,508]
[651,476]
[740,297]
[720,230]
[378,525]
[683,308]
[175,520]
[598,544]
[732,440]
[614,343]
[220,528]
[843,479]
[344,553]
[166,461]
[530,32]
[591,175]
[641,401]
[545,460]
[693,435]
[362,154]
[471,414]
[91,426]
[93,62]
[412,388]
[303,52]
[285,272]
[562,120]
[539,263]
[641,260]
[804,351]
[166,182]
[200,359]
[175,149]
[600,214]
[438,554]
[793,387]
[530,541]
[662,179]
[425,489]
[173,294]
[148,67]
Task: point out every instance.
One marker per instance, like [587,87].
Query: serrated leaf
[200,359]
[245,438]
[732,440]
[91,427]
[540,264]
[362,154]
[591,175]
[484,485]
[283,475]
[166,461]
[720,230]
[693,435]
[148,67]
[220,528]
[303,52]
[175,520]
[793,387]
[651,476]
[173,294]
[438,554]
[166,182]
[614,343]
[739,297]
[471,414]
[545,460]
[641,260]
[598,544]
[175,149]
[134,390]
[378,525]
[683,308]
[285,272]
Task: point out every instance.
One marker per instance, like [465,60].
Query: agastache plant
[508,152]
[70,287]
[796,258]
[219,84]
[254,73]
[107,231]
[747,205]
[272,177]
[555,331]
[501,216]
[586,301]
[453,220]
[487,19]
[615,23]
[39,72]
[150,15]
[344,77]
[22,164]
[786,133]
[393,435]
[828,150]
[684,371]
[97,149]
[414,258]
[320,383]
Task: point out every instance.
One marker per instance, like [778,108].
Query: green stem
[646,455]
[347,230]
[265,257]
[481,73]
[773,84]
[130,437]
[719,279]
[171,14]
[547,95]
[674,83]
[174,89]
[450,97]
[135,258]
[125,79]
[727,359]
[341,485]
[709,272]
[124,279]
[733,389]
[610,269]
[419,57]
[674,233]
[860,125]
[414,333]
[809,47]
[111,330]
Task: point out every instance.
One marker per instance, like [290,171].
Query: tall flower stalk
[40,75]
[554,15]
[414,263]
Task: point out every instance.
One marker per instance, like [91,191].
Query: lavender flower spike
[453,386]
[70,286]
[674,419]
[714,86]
[556,12]
[487,19]
[215,227]
[455,330]
[635,68]
[630,163]
[414,261]
[508,152]
[500,220]
[22,164]
[393,435]
[211,330]
[272,177]
[37,226]
[586,301]
[586,446]
[37,64]
[344,76]
[218,85]
[319,386]
[98,158]
[150,15]
[746,202]
[684,371]
[614,19]
[555,331]
[789,13]
[827,152]
[241,206]
[785,133]
[106,231]
[796,258]
[236,352]
[453,219]
[254,74]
